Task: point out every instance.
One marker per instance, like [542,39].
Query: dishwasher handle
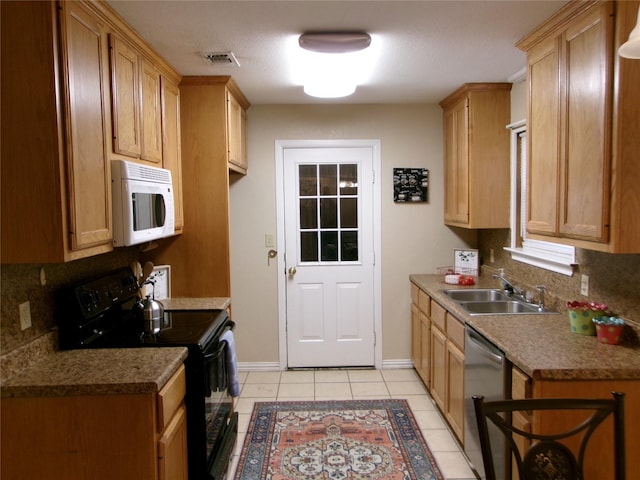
[483,347]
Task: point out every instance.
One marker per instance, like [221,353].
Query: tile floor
[354,384]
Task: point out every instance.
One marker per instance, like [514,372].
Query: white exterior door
[328,266]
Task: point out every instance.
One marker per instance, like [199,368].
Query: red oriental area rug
[335,440]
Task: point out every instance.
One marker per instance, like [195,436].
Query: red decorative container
[609,329]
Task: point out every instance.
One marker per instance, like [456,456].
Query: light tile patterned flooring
[321,384]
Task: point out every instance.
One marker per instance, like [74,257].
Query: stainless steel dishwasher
[486,373]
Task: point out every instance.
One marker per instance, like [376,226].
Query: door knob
[292,271]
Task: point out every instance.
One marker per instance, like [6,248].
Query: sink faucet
[507,286]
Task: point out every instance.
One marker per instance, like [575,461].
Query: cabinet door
[125,98]
[150,113]
[522,421]
[416,331]
[438,366]
[543,137]
[85,66]
[455,389]
[236,125]
[171,148]
[425,354]
[585,175]
[172,448]
[456,208]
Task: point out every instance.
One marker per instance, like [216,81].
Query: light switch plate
[584,285]
[25,315]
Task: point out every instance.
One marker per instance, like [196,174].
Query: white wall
[414,238]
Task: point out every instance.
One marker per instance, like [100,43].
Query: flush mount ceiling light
[631,48]
[333,63]
[334,42]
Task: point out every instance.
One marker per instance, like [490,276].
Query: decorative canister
[581,315]
[609,329]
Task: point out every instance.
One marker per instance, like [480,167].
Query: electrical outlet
[269,240]
[25,315]
[584,285]
[491,256]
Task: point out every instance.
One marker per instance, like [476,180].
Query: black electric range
[98,313]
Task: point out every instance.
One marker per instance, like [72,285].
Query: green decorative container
[581,315]
[582,321]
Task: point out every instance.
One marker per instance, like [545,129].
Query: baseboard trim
[275,366]
[258,366]
[396,364]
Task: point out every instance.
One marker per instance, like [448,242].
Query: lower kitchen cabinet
[97,437]
[437,353]
[454,399]
[420,333]
[598,456]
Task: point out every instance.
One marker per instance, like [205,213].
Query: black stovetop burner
[98,314]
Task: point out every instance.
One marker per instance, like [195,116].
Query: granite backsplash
[613,279]
[21,283]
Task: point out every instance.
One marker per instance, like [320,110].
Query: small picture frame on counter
[466,260]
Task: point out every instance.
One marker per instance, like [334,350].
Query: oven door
[221,421]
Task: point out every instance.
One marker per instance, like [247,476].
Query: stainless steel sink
[477,295]
[494,308]
[491,301]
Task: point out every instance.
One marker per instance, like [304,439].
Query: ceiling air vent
[221,58]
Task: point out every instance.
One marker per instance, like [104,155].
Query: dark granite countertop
[543,346]
[96,372]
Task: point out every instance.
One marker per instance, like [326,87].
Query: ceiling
[425,49]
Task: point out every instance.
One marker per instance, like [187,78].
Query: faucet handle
[541,289]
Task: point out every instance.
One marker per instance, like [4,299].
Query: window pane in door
[308,213]
[329,246]
[349,179]
[308,180]
[328,179]
[329,213]
[349,246]
[349,212]
[309,246]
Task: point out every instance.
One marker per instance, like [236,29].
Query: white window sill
[553,257]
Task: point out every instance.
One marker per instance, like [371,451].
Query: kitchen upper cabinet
[57,141]
[236,134]
[136,103]
[171,138]
[476,155]
[201,268]
[56,180]
[582,103]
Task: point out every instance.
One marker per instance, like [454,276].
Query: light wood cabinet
[476,155]
[236,134]
[135,86]
[201,268]
[598,458]
[437,353]
[454,404]
[56,176]
[421,334]
[582,185]
[438,366]
[57,146]
[171,149]
[96,436]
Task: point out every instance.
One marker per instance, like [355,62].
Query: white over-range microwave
[142,203]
